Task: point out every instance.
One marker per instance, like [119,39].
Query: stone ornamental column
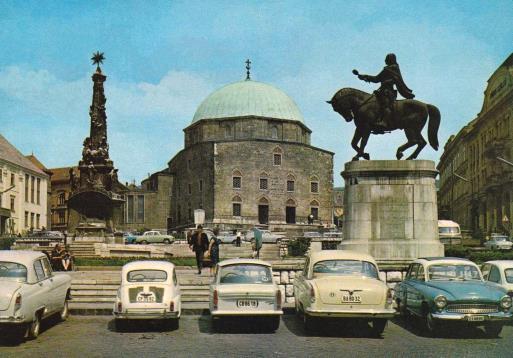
[390,209]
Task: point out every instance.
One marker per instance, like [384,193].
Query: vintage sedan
[499,242]
[440,290]
[499,273]
[149,291]
[153,237]
[30,292]
[245,288]
[342,284]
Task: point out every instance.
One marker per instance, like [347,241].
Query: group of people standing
[200,244]
[60,258]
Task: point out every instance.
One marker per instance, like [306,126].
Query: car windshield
[448,230]
[509,275]
[500,238]
[147,276]
[245,274]
[345,268]
[12,271]
[453,272]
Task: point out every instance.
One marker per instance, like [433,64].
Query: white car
[149,290]
[268,237]
[499,272]
[245,288]
[342,284]
[30,292]
[498,243]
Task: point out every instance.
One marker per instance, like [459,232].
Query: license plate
[247,303]
[475,318]
[351,299]
[146,297]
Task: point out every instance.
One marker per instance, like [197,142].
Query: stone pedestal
[390,209]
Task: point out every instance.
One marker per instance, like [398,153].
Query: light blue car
[442,290]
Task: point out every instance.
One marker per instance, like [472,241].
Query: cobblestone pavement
[95,336]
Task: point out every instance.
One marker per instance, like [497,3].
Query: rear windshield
[147,276]
[245,274]
[448,230]
[345,268]
[11,271]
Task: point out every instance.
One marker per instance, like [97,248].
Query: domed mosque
[248,161]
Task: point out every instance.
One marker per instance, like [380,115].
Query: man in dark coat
[199,244]
[386,94]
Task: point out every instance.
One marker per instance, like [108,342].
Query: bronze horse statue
[410,115]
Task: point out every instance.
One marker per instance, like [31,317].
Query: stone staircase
[94,292]
[267,252]
[82,249]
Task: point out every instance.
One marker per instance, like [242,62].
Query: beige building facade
[23,192]
[476,181]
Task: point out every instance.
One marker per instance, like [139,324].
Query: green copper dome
[248,98]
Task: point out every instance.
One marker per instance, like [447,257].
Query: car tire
[308,322]
[403,310]
[431,326]
[166,241]
[493,330]
[144,242]
[378,326]
[274,323]
[64,314]
[34,327]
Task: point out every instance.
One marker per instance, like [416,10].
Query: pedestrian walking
[214,250]
[199,244]
[237,240]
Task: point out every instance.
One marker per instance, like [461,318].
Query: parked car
[449,232]
[154,237]
[268,237]
[500,273]
[312,234]
[499,243]
[227,237]
[245,288]
[149,291]
[129,238]
[342,284]
[30,292]
[442,290]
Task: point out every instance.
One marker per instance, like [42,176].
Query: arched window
[277,156]
[236,206]
[62,198]
[236,179]
[263,201]
[314,184]
[291,183]
[264,181]
[291,202]
[274,132]
[314,210]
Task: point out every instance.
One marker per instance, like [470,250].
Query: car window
[509,275]
[412,273]
[38,267]
[453,272]
[47,267]
[345,268]
[175,280]
[147,276]
[495,275]
[420,273]
[12,271]
[485,270]
[245,274]
[305,269]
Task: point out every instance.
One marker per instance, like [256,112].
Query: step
[93,293]
[196,308]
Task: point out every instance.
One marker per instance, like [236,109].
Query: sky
[164,57]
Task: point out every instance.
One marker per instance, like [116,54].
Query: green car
[444,290]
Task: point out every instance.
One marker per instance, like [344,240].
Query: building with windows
[23,192]
[61,190]
[476,181]
[248,160]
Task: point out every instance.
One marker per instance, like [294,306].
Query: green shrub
[478,256]
[299,246]
[6,243]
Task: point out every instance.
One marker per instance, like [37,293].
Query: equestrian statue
[381,112]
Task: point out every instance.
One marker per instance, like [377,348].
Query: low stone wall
[150,251]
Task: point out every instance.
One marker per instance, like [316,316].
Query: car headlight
[506,302]
[440,301]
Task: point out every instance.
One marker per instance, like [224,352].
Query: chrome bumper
[224,313]
[384,313]
[497,316]
[146,315]
[12,319]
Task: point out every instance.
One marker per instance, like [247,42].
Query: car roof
[244,261]
[340,255]
[501,263]
[447,223]
[24,257]
[148,265]
[445,260]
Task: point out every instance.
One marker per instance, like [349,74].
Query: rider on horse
[386,94]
